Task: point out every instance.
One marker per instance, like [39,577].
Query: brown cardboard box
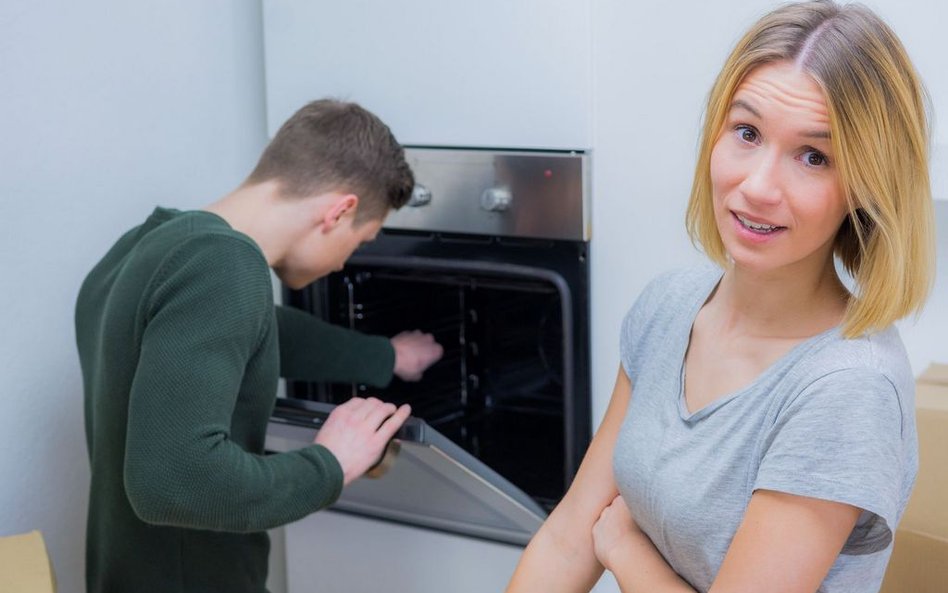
[24,565]
[919,561]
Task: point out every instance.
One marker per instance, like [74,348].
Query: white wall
[486,73]
[106,109]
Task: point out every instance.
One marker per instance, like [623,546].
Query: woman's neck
[780,304]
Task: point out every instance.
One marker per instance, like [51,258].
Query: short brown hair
[880,136]
[331,145]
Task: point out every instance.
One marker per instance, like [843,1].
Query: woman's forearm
[553,565]
[561,558]
[639,568]
[626,551]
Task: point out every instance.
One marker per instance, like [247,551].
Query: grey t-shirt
[833,419]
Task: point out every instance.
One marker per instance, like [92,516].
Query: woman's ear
[341,207]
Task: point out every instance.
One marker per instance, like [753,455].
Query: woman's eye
[747,134]
[813,158]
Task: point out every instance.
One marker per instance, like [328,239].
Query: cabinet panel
[337,553]
[487,73]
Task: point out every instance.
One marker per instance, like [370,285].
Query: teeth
[766,228]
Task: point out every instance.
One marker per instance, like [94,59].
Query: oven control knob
[496,199]
[420,196]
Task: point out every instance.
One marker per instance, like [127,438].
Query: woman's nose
[762,181]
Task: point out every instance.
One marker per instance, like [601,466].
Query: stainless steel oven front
[491,256]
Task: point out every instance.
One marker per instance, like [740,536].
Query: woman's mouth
[756,227]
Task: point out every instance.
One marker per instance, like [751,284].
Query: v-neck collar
[786,360]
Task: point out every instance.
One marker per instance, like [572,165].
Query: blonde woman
[761,434]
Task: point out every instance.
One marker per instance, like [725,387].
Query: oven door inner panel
[430,483]
[502,391]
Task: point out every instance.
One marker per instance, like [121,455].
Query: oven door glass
[431,482]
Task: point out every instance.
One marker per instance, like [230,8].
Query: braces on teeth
[756,227]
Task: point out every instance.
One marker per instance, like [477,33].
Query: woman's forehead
[781,90]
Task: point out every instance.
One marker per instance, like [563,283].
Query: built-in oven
[491,256]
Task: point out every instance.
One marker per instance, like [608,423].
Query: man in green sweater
[181,348]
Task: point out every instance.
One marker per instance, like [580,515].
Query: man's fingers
[388,428]
[352,405]
[371,403]
[376,414]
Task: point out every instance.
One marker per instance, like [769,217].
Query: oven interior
[499,390]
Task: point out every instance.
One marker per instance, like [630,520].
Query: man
[181,348]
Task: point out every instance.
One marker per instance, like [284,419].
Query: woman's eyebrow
[745,105]
[742,104]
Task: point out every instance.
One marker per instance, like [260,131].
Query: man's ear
[341,207]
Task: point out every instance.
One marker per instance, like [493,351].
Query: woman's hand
[629,554]
[615,532]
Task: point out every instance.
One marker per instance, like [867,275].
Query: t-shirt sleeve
[629,354]
[205,315]
[640,321]
[313,350]
[840,439]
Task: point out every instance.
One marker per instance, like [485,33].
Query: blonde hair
[880,138]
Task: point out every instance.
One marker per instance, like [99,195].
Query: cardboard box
[24,565]
[919,561]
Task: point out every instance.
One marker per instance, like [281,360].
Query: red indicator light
[548,173]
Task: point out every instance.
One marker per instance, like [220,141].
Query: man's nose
[763,184]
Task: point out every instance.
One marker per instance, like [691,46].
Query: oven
[491,255]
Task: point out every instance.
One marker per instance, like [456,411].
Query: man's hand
[614,532]
[357,432]
[414,352]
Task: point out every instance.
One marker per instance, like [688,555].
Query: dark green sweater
[181,348]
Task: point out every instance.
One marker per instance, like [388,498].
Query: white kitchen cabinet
[491,73]
[333,552]
[336,553]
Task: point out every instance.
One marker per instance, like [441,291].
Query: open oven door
[431,482]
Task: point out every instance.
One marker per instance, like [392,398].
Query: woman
[769,443]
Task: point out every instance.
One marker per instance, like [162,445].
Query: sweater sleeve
[207,309]
[313,350]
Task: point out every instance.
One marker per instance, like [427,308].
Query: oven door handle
[431,483]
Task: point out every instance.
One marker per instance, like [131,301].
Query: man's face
[352,234]
[323,251]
